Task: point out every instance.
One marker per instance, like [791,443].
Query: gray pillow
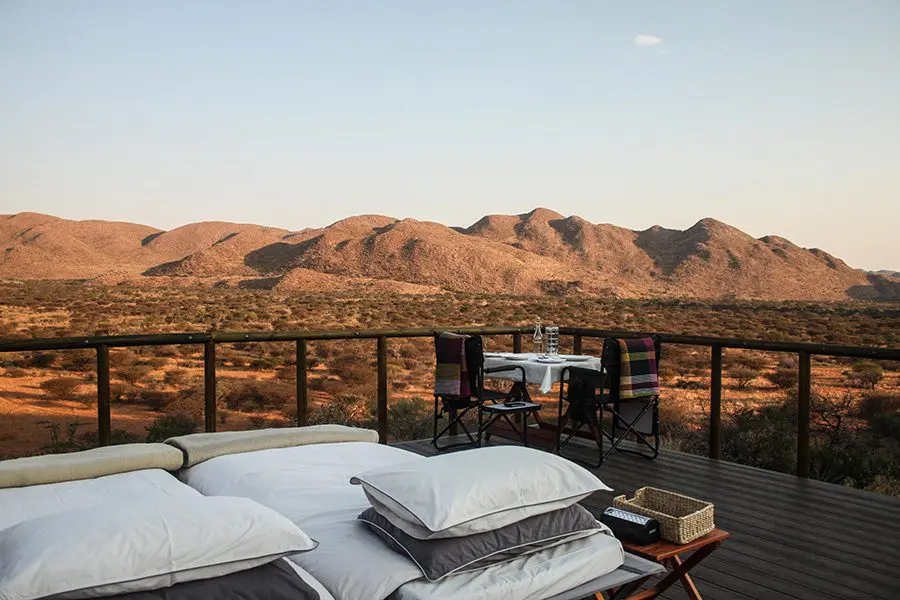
[438,558]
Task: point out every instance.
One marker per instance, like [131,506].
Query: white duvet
[310,485]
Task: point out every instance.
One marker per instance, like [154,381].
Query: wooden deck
[792,539]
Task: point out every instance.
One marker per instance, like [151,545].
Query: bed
[91,492]
[310,485]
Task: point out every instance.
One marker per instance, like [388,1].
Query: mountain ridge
[533,253]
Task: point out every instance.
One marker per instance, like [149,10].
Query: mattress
[310,485]
[23,503]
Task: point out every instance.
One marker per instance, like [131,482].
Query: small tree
[864,374]
[134,373]
[62,388]
[743,376]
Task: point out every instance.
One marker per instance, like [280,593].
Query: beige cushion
[198,447]
[54,468]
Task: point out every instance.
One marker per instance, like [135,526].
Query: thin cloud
[646,40]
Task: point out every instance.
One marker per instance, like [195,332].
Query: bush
[177,377]
[62,388]
[40,360]
[864,374]
[410,419]
[172,425]
[784,378]
[134,373]
[259,395]
[348,409]
[743,376]
[79,361]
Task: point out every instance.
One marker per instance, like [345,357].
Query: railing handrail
[874,352]
[102,344]
[225,337]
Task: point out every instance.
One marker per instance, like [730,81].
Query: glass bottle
[538,337]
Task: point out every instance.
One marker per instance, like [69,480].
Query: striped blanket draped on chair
[450,375]
[638,376]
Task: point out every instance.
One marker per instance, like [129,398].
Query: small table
[542,374]
[667,554]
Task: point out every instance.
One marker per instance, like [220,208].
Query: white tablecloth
[537,373]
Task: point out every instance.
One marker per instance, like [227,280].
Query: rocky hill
[540,252]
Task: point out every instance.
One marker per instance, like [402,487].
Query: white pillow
[116,549]
[479,490]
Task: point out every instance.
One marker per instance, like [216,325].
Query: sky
[775,116]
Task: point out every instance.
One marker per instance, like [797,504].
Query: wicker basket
[682,519]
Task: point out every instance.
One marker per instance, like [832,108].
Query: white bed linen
[23,503]
[310,485]
[532,577]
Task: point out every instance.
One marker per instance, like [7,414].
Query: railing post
[517,342]
[803,392]
[715,403]
[103,419]
[382,391]
[576,344]
[302,418]
[209,385]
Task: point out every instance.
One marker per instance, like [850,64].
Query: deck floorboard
[792,539]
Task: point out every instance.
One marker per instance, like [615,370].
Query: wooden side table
[668,555]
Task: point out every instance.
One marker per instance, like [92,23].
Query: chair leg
[453,422]
[616,440]
[560,427]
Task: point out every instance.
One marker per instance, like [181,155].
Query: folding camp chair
[635,417]
[580,391]
[457,407]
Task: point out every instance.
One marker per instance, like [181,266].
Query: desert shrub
[166,426]
[288,373]
[62,388]
[40,360]
[247,395]
[156,399]
[133,374]
[410,419]
[743,376]
[689,384]
[122,358]
[874,406]
[348,409]
[783,377]
[408,351]
[69,440]
[155,362]
[749,360]
[15,372]
[263,364]
[90,439]
[864,374]
[79,361]
[177,377]
[59,441]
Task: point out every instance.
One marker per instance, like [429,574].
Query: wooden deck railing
[804,351]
